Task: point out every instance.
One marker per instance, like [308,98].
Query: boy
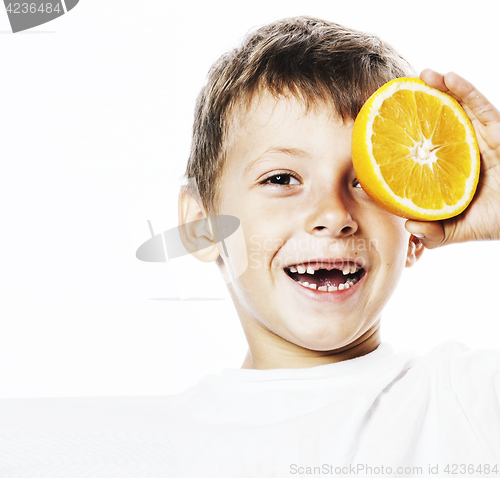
[318,393]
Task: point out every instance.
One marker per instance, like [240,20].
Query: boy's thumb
[430,234]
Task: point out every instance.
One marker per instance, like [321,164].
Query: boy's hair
[310,59]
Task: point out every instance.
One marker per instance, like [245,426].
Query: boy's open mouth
[326,277]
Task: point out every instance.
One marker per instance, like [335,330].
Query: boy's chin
[340,344]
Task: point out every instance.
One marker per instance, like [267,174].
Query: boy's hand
[481,220]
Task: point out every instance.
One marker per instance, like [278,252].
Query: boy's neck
[298,357]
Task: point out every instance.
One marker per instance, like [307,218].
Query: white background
[96,110]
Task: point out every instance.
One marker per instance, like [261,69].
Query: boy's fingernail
[419,236]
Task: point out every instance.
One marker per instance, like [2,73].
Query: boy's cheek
[255,260]
[263,247]
[254,243]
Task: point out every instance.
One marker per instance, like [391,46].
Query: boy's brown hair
[311,59]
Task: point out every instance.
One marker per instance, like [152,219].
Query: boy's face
[289,178]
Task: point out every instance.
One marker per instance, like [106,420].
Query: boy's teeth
[329,288]
[349,282]
[306,284]
[348,269]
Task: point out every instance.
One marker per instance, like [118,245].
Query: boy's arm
[481,220]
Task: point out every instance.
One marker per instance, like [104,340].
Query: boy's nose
[331,216]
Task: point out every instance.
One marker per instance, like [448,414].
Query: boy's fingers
[430,234]
[434,79]
[467,93]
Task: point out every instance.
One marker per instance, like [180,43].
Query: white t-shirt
[383,414]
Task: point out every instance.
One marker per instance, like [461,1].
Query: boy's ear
[415,251]
[194,228]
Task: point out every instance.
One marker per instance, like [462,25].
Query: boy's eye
[356,184]
[281,179]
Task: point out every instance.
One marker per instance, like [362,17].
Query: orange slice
[415,152]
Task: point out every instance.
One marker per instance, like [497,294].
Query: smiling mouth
[326,278]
